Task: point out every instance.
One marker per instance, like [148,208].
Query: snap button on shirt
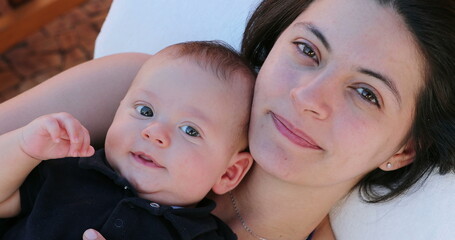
[118,223]
[154,205]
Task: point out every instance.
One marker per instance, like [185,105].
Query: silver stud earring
[389,165]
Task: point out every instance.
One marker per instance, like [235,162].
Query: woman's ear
[400,159]
[239,166]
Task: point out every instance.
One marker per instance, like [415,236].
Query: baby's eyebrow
[147,92]
[193,111]
[184,109]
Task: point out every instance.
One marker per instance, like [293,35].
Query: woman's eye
[368,95]
[306,49]
[190,131]
[144,110]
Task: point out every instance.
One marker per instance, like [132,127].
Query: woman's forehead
[354,19]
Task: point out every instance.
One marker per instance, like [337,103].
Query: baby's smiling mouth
[146,160]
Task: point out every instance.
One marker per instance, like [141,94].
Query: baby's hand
[55,136]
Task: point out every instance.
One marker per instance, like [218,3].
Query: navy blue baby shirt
[62,198]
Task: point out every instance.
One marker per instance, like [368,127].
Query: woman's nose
[156,134]
[312,99]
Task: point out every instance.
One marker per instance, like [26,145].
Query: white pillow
[426,212]
[149,25]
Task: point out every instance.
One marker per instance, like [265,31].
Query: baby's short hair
[217,56]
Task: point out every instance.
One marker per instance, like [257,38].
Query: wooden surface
[17,24]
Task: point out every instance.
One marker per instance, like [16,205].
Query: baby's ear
[240,164]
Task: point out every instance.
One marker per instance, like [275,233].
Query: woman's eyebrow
[318,33]
[312,28]
[389,83]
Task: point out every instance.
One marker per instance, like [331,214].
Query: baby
[180,132]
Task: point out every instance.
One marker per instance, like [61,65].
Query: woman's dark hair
[266,24]
[432,25]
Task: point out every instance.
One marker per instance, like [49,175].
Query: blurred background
[40,38]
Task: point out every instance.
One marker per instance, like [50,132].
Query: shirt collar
[99,163]
[190,222]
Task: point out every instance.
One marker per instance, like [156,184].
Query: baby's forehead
[217,57]
[188,70]
[233,75]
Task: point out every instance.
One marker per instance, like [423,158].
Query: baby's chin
[165,199]
[156,197]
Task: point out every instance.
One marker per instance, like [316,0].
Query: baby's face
[173,135]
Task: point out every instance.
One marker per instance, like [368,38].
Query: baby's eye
[308,50]
[190,131]
[368,95]
[144,110]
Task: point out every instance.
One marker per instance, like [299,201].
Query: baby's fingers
[86,150]
[52,127]
[74,132]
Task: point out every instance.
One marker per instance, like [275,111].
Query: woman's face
[336,95]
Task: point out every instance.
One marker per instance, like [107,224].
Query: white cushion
[426,212]
[149,25]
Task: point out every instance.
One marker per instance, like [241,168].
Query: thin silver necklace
[242,221]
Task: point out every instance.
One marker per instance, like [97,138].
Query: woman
[348,92]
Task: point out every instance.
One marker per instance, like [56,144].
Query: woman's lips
[293,134]
[145,159]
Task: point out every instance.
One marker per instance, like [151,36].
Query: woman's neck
[274,209]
